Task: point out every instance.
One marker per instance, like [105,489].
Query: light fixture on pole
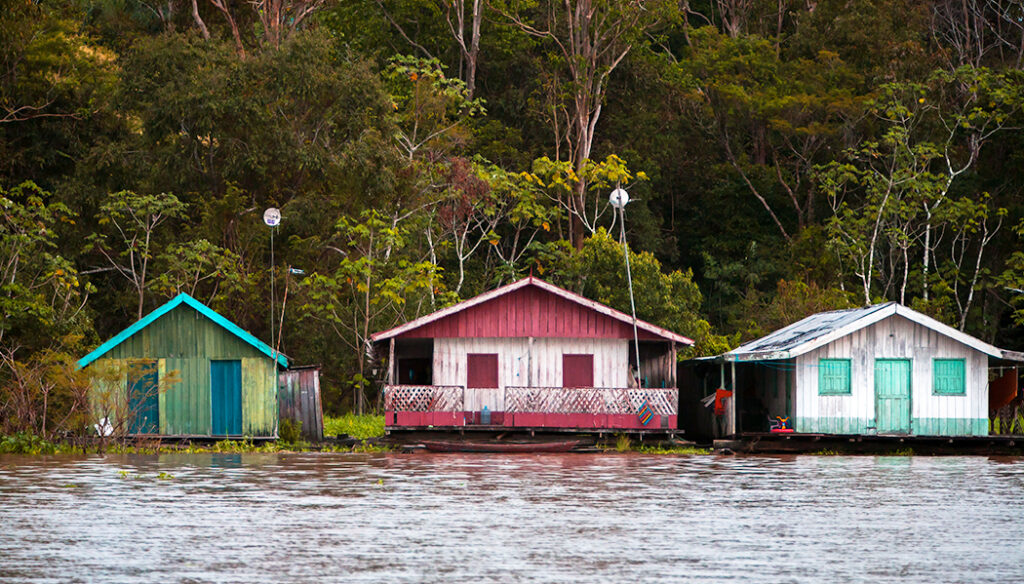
[272,217]
[618,199]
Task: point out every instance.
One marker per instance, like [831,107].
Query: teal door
[143,397]
[226,393]
[892,396]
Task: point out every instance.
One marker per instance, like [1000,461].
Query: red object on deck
[720,396]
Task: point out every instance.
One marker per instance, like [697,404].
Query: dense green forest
[783,157]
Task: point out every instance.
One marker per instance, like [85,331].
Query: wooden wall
[523,362]
[184,342]
[528,312]
[893,338]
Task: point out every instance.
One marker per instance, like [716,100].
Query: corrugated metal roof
[820,329]
[806,330]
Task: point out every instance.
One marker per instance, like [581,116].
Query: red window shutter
[577,371]
[482,370]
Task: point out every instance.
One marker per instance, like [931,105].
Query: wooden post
[390,378]
[673,365]
[732,402]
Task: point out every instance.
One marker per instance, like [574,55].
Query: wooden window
[482,370]
[949,377]
[578,370]
[834,377]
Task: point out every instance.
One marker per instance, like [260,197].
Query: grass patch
[356,426]
[825,452]
[690,450]
[623,443]
[901,452]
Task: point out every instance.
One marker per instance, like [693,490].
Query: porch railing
[424,398]
[552,400]
[603,400]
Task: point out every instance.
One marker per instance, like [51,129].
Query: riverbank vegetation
[782,157]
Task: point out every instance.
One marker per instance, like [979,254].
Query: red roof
[529,308]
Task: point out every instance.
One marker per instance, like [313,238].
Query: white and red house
[529,355]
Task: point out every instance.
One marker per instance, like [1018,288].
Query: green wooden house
[185,371]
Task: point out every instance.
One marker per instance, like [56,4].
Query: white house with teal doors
[882,369]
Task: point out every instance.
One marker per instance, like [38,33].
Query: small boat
[505,447]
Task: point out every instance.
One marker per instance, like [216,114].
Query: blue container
[485,417]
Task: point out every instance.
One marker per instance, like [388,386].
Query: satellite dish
[619,198]
[272,217]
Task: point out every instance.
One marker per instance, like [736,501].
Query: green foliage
[669,300]
[25,443]
[41,293]
[790,154]
[673,450]
[289,430]
[354,425]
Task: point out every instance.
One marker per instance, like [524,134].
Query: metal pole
[272,292]
[632,303]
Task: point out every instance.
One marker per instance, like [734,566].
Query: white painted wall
[525,364]
[893,338]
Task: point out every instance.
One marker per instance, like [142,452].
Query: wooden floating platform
[532,430]
[500,447]
[774,443]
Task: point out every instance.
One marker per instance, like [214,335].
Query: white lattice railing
[551,400]
[605,400]
[424,398]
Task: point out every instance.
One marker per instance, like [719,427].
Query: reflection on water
[518,518]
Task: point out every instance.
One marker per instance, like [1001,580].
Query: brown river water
[510,518]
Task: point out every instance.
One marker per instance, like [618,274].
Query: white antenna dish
[272,217]
[619,198]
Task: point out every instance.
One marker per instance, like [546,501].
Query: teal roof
[201,309]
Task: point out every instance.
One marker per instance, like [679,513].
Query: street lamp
[619,199]
[272,217]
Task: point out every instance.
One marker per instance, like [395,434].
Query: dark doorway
[416,371]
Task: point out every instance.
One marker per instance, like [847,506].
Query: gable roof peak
[183,298]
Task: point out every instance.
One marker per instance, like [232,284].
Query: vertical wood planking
[894,338]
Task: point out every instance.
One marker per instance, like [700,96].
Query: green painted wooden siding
[892,396]
[949,377]
[951,426]
[259,403]
[186,342]
[834,377]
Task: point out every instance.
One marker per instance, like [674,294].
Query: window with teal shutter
[949,377]
[834,377]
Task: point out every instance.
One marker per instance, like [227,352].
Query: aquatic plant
[369,448]
[623,443]
[681,450]
[289,430]
[26,443]
[356,426]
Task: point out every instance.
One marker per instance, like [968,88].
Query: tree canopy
[782,157]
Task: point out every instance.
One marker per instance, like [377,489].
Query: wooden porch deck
[531,408]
